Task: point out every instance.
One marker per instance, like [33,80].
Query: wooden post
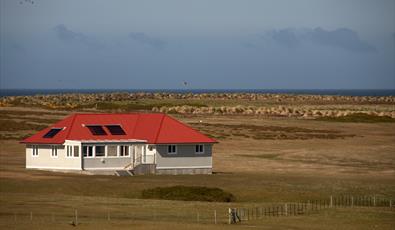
[331,202]
[230,216]
[286,209]
[390,203]
[76,217]
[31,216]
[215,216]
[374,200]
[352,201]
[108,216]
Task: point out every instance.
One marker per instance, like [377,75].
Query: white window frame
[87,153]
[199,152]
[34,150]
[171,147]
[95,146]
[79,151]
[69,151]
[54,151]
[117,151]
[120,150]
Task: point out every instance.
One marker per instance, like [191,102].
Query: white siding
[44,160]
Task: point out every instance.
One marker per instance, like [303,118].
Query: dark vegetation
[358,117]
[12,125]
[257,132]
[188,193]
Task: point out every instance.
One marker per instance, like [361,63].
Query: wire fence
[214,215]
[306,207]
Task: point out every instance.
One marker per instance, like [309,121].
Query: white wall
[44,160]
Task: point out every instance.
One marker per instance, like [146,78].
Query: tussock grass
[358,117]
[188,193]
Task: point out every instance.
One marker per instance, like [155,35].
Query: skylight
[51,133]
[96,130]
[115,129]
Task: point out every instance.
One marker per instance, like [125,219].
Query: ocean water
[343,92]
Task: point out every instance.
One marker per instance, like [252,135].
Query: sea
[341,92]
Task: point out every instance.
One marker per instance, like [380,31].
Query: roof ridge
[71,125]
[135,125]
[160,127]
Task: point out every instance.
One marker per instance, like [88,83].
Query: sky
[210,44]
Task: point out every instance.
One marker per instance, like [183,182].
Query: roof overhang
[111,141]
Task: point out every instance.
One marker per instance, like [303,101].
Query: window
[51,133]
[123,150]
[54,152]
[112,151]
[76,151]
[150,147]
[35,150]
[87,151]
[115,129]
[96,130]
[171,149]
[69,151]
[99,151]
[199,148]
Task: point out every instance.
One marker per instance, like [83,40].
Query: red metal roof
[155,128]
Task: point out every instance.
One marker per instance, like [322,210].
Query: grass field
[261,161]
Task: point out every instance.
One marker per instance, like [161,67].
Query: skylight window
[51,133]
[115,129]
[96,130]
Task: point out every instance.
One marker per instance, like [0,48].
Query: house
[135,143]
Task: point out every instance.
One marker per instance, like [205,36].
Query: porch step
[124,172]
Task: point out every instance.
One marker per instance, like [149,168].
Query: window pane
[126,153]
[90,151]
[76,151]
[100,151]
[112,150]
[85,151]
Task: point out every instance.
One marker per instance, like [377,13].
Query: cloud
[144,39]
[286,37]
[69,36]
[342,38]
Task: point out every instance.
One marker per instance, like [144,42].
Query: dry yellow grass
[256,171]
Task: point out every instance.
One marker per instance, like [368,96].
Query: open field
[260,160]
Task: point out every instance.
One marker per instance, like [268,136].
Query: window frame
[121,148]
[74,147]
[35,151]
[87,153]
[172,148]
[197,147]
[54,151]
[104,150]
[68,153]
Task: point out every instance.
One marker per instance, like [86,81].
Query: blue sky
[278,44]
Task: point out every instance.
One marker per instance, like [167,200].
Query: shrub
[188,193]
[358,117]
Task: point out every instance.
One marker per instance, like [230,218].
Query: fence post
[374,200]
[286,209]
[108,216]
[390,203]
[352,201]
[215,216]
[230,215]
[331,202]
[76,217]
[31,216]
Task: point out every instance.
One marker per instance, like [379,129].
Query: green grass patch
[188,193]
[358,117]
